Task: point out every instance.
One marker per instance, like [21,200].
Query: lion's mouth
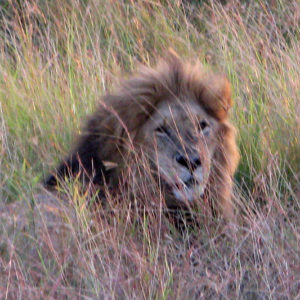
[190,182]
[188,190]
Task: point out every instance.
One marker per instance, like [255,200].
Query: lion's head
[175,115]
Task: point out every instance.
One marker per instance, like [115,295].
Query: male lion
[175,116]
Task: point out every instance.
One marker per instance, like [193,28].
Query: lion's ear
[216,96]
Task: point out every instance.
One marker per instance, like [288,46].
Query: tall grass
[56,60]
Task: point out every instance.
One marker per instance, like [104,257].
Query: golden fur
[118,123]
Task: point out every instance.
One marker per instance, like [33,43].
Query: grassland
[57,58]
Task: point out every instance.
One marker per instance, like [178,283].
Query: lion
[175,116]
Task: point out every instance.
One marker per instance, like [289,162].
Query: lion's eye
[162,130]
[203,125]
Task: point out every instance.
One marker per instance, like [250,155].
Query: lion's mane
[120,115]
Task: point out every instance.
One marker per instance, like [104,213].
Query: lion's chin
[188,194]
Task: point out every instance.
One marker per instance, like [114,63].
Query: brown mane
[120,115]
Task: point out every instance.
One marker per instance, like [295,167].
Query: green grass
[57,58]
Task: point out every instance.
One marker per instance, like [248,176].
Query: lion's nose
[190,163]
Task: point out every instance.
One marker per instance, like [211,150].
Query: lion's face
[180,140]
